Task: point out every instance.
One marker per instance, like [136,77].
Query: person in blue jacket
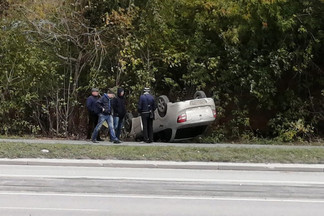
[106,114]
[119,104]
[93,112]
[146,108]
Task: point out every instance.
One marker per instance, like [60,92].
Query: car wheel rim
[161,105]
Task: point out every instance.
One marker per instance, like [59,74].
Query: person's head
[146,90]
[120,92]
[110,93]
[95,92]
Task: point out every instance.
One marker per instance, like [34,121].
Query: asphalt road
[68,191]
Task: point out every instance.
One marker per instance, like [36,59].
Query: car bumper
[190,130]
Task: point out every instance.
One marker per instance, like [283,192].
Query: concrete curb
[167,165]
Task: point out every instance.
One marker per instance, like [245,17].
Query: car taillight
[214,113]
[182,118]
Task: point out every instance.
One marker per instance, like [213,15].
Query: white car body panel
[199,115]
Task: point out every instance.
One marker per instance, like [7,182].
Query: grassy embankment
[214,154]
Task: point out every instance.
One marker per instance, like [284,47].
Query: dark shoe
[100,140]
[117,141]
[148,141]
[94,141]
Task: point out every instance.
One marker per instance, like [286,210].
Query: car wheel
[162,105]
[200,94]
[128,122]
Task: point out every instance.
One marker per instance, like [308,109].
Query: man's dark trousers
[147,127]
[93,121]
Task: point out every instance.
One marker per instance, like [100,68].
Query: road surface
[102,191]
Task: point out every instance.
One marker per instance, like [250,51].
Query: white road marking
[130,196]
[54,209]
[229,181]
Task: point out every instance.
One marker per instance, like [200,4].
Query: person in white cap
[146,108]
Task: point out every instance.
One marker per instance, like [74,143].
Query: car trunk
[199,113]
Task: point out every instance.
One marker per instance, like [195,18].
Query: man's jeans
[118,124]
[109,120]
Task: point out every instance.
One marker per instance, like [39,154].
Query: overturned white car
[176,121]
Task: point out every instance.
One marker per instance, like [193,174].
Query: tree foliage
[262,61]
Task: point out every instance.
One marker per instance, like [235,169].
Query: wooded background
[261,60]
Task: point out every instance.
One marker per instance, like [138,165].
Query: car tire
[162,105]
[200,94]
[128,122]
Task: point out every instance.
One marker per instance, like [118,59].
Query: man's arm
[153,106]
[100,104]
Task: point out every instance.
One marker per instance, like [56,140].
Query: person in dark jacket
[119,105]
[93,112]
[146,108]
[106,114]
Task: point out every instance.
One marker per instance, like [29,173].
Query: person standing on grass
[106,114]
[93,112]
[119,104]
[146,108]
